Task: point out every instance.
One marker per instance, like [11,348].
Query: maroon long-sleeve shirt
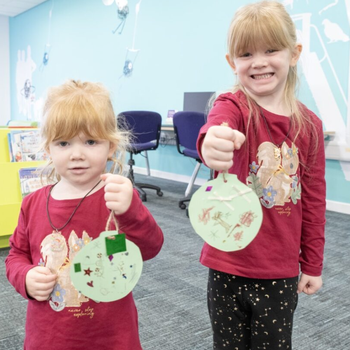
[88,325]
[290,182]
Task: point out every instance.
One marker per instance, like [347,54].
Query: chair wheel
[160,193]
[182,206]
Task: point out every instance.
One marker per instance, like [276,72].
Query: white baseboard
[338,207]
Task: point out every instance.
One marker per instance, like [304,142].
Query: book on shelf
[31,180]
[25,146]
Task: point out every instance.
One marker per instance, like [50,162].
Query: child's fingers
[226,139]
[44,288]
[220,165]
[309,284]
[40,282]
[221,132]
[222,145]
[221,155]
[118,193]
[104,176]
[108,177]
[42,274]
[301,286]
[238,139]
[117,184]
[119,203]
[113,187]
[113,178]
[115,192]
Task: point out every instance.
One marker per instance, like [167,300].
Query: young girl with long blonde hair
[278,151]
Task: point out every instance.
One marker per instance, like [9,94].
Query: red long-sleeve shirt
[90,325]
[292,232]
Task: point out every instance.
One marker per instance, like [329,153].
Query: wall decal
[328,6]
[320,32]
[47,47]
[333,32]
[24,83]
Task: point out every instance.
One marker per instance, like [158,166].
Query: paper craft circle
[227,215]
[103,277]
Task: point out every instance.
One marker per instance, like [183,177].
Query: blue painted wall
[182,46]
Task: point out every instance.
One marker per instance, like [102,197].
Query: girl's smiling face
[263,71]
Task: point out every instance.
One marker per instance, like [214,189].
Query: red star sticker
[87,272]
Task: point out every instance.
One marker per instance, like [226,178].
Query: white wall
[5,113]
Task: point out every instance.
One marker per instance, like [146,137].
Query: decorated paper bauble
[108,268]
[226,213]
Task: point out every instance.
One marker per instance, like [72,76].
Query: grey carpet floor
[171,294]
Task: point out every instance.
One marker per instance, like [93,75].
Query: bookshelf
[10,191]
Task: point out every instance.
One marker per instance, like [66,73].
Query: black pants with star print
[251,314]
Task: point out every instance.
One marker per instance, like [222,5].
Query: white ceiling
[13,8]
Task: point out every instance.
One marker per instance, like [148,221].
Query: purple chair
[186,128]
[145,127]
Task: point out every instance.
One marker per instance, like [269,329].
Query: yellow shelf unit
[10,190]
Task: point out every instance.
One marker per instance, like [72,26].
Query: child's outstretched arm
[118,192]
[218,146]
[40,282]
[309,284]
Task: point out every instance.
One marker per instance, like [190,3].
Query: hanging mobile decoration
[46,57]
[108,268]
[226,213]
[47,47]
[123,11]
[130,59]
[131,53]
[128,66]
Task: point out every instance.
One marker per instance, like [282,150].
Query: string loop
[110,218]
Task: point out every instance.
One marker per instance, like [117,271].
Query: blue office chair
[145,127]
[186,129]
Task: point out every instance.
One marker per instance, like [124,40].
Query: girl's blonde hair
[268,23]
[82,107]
